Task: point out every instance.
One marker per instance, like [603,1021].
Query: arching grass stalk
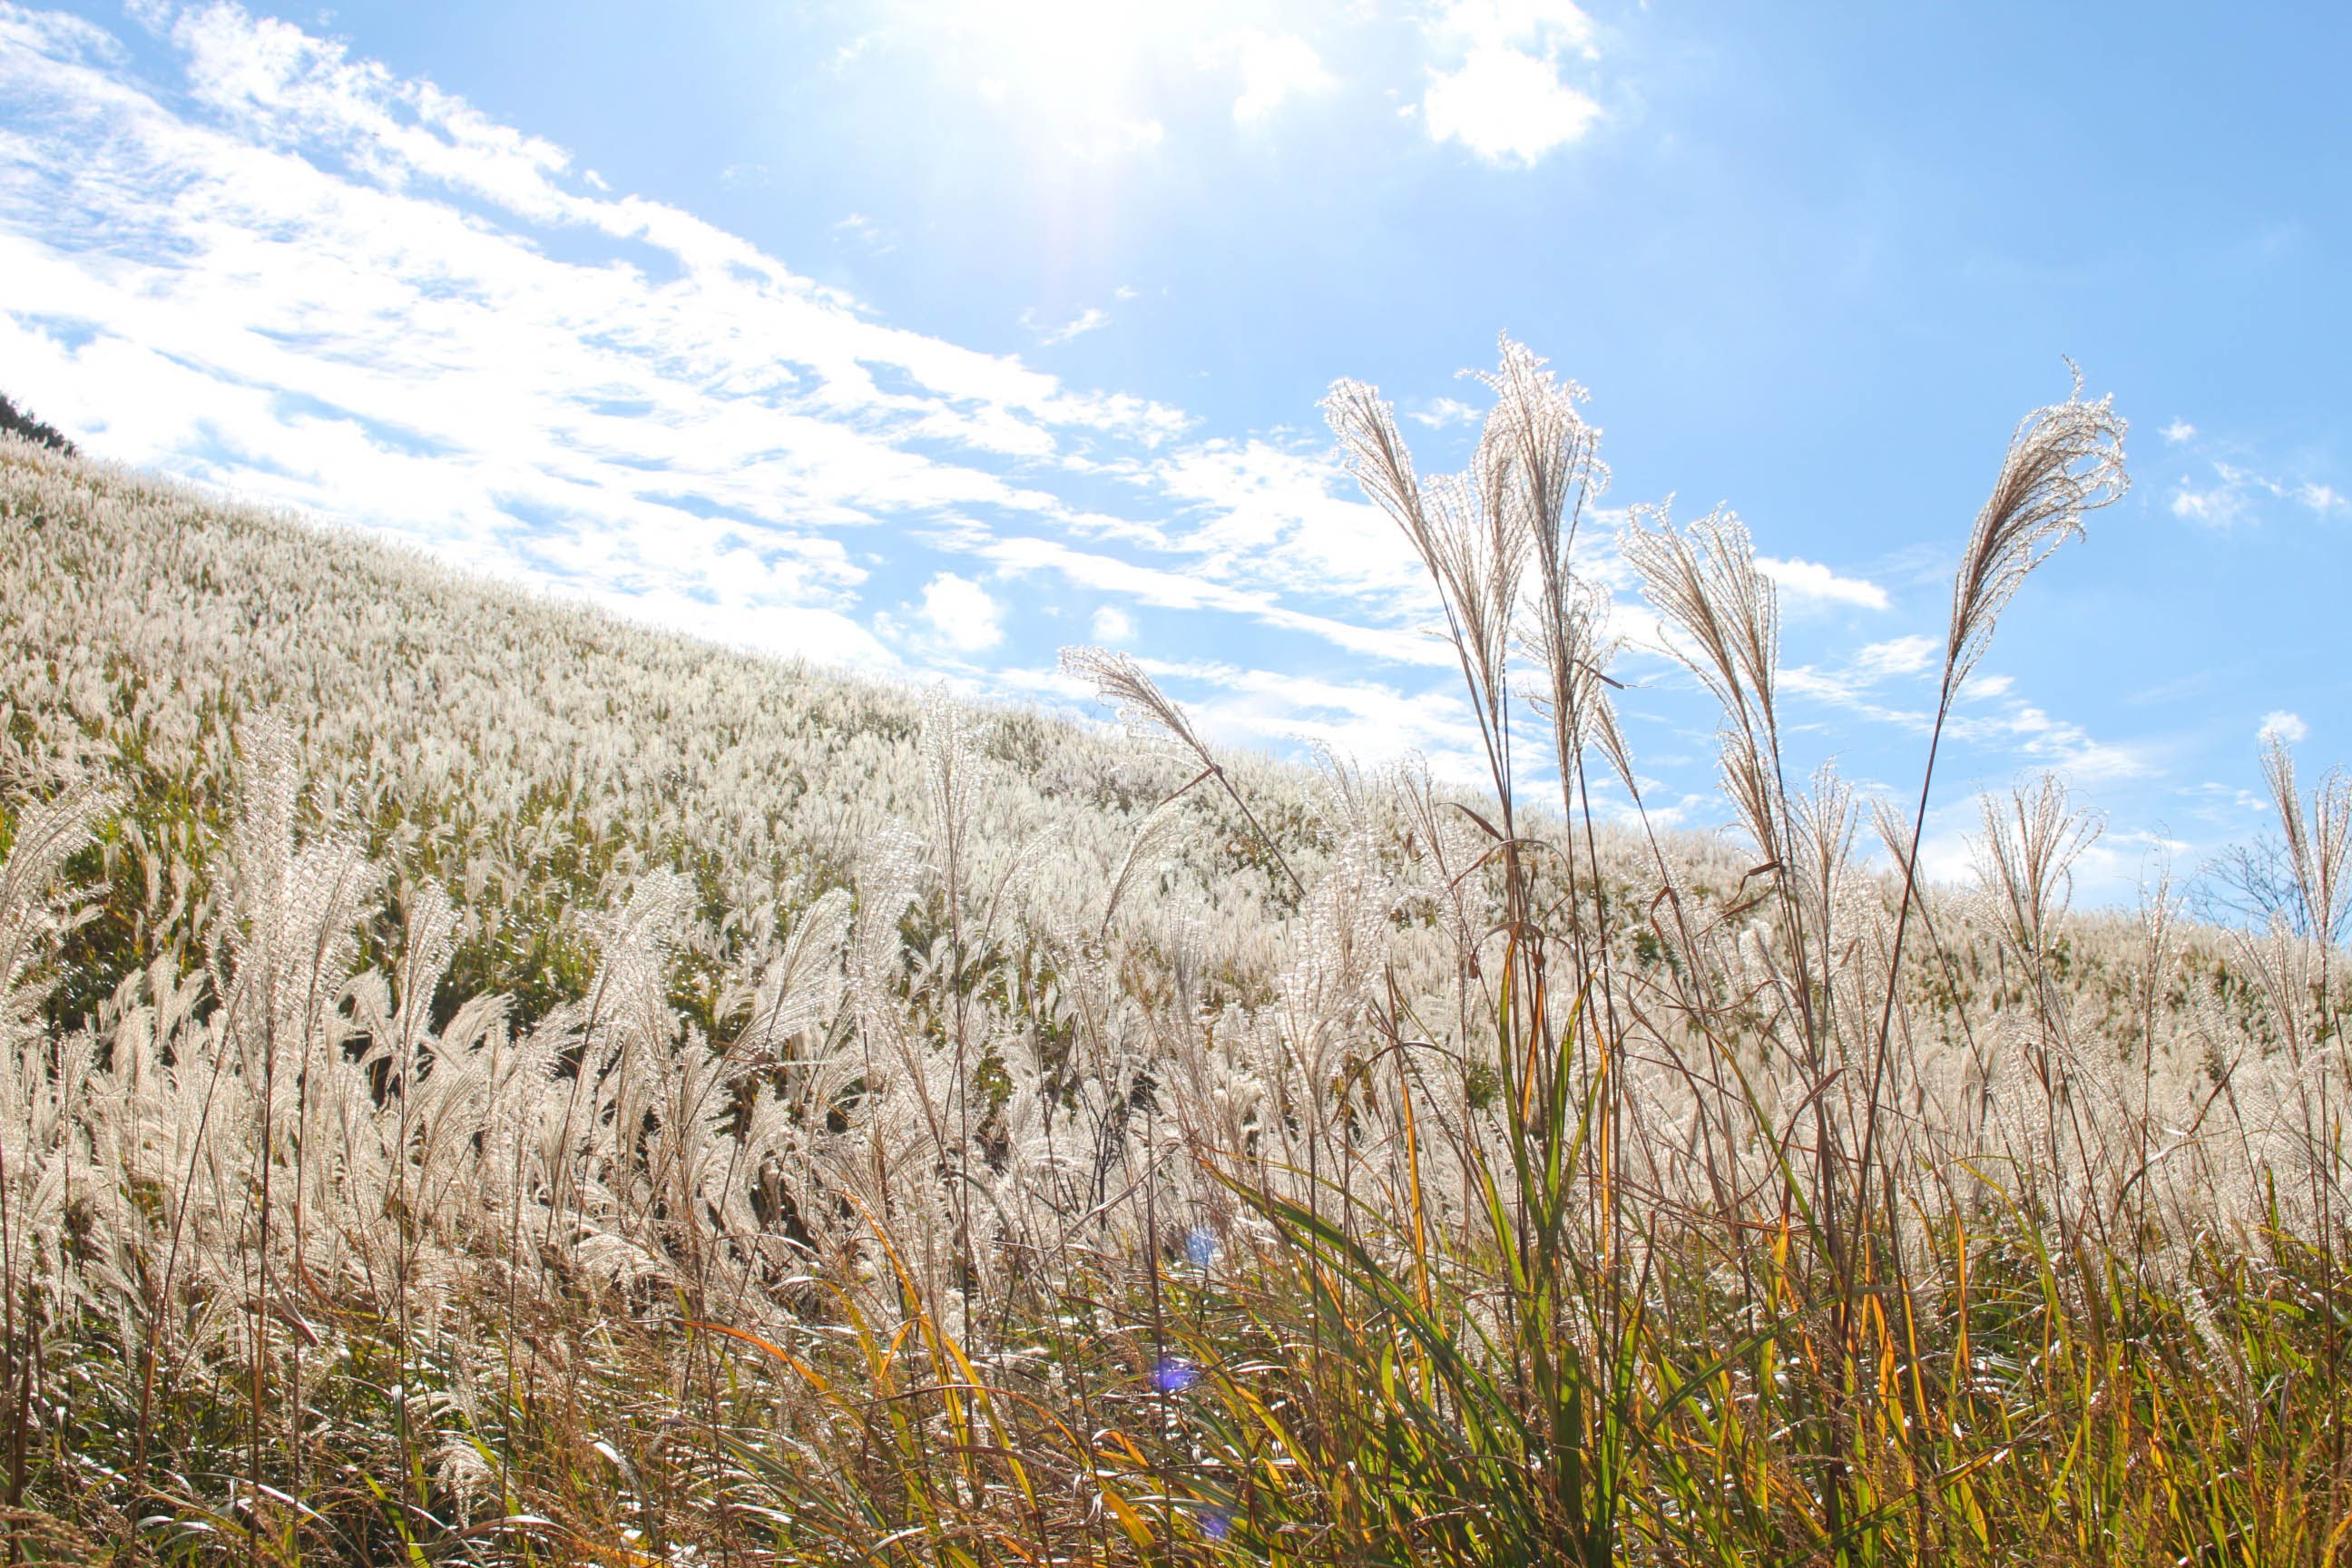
[2062,462]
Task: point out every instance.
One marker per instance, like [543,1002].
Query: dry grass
[481,1084]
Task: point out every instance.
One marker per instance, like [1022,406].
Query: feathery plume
[1471,534]
[1144,711]
[2025,861]
[2318,840]
[2062,462]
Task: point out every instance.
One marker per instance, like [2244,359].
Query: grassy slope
[531,755]
[542,763]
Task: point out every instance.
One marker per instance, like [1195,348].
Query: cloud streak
[2236,496]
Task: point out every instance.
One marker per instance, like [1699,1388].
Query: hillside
[532,757]
[485,1081]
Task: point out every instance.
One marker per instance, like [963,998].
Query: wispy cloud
[1265,515]
[1868,682]
[1850,684]
[322,285]
[850,53]
[2235,494]
[862,230]
[2035,737]
[1165,587]
[319,284]
[1443,412]
[2226,501]
[1899,656]
[1370,721]
[1092,318]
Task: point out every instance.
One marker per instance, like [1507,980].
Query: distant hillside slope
[531,755]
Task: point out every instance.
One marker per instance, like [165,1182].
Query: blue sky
[932,337]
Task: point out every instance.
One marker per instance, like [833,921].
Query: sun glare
[1085,72]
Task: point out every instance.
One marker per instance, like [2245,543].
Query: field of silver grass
[485,1082]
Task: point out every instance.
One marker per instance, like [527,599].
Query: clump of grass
[550,1152]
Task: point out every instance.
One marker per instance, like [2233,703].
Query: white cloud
[1851,685]
[1112,624]
[2322,499]
[1273,517]
[1165,589]
[1090,320]
[2180,431]
[2223,505]
[1550,26]
[320,285]
[1506,107]
[1443,412]
[1367,720]
[2235,493]
[848,54]
[2029,733]
[2000,722]
[1275,67]
[823,634]
[2287,728]
[1898,656]
[1503,96]
[1809,580]
[961,614]
[864,230]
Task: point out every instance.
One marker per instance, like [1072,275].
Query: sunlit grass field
[482,1082]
